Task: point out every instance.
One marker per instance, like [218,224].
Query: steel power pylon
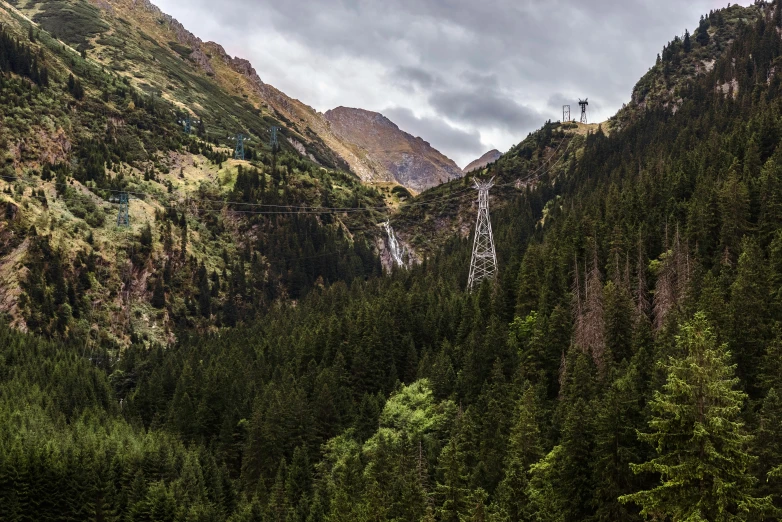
[239,151]
[188,122]
[584,104]
[123,218]
[565,113]
[273,141]
[484,258]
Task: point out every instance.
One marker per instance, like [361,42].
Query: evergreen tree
[452,490]
[703,32]
[158,294]
[524,449]
[700,440]
[749,316]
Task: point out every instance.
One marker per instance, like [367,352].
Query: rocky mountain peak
[391,153]
[486,159]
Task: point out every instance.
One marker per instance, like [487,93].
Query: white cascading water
[393,245]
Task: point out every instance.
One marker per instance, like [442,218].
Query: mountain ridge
[490,157]
[411,161]
[308,124]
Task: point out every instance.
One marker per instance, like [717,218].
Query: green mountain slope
[212,240]
[624,365]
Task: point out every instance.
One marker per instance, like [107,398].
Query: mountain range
[193,329]
[158,54]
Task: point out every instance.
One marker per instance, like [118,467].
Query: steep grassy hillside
[539,161]
[158,55]
[155,54]
[212,240]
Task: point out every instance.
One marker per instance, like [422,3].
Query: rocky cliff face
[486,159]
[389,152]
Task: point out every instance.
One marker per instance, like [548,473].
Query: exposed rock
[240,65]
[202,60]
[245,68]
[215,50]
[486,159]
[146,5]
[301,149]
[103,4]
[390,153]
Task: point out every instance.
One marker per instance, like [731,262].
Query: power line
[293,209]
[311,210]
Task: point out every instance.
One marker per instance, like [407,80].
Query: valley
[290,336]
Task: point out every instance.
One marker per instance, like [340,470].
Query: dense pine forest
[625,365]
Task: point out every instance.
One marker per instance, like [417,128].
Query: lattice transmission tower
[188,123]
[584,104]
[274,142]
[239,150]
[123,218]
[565,113]
[484,258]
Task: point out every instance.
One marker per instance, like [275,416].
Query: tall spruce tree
[524,450]
[701,443]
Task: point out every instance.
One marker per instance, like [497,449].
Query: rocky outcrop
[201,59]
[487,159]
[245,68]
[391,153]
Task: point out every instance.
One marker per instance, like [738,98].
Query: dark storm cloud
[485,109]
[437,132]
[496,67]
[413,78]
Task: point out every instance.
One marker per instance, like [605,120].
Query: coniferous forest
[625,365]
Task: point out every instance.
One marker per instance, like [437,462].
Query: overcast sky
[467,76]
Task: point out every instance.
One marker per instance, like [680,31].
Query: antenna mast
[484,258]
[584,104]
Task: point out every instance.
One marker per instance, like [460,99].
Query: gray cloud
[413,78]
[486,109]
[498,68]
[437,132]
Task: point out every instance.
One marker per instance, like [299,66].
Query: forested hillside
[625,365]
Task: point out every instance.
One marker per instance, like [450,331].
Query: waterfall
[393,245]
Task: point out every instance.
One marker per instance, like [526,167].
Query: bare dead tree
[577,307]
[595,314]
[562,375]
[642,304]
[665,291]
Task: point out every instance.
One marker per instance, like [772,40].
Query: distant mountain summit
[487,159]
[390,153]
